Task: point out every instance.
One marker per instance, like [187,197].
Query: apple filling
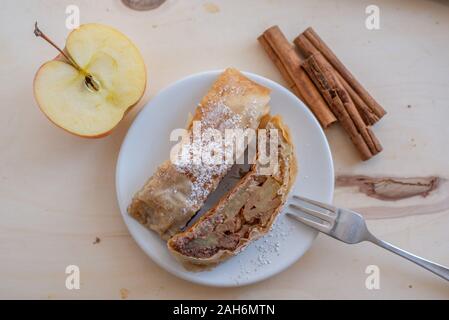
[245,213]
[248,208]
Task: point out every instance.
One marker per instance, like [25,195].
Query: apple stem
[90,82]
[39,33]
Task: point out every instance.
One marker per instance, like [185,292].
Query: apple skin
[60,57]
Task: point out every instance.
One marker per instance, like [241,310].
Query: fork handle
[437,269]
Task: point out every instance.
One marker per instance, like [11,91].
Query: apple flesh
[117,68]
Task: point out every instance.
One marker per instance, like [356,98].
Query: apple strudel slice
[176,191]
[246,213]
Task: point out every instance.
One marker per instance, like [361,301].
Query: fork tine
[317,203]
[316,225]
[314,213]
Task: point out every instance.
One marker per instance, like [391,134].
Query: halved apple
[88,88]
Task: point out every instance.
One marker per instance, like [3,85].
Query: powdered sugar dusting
[216,114]
[268,249]
[200,166]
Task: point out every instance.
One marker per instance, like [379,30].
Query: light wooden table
[57,191]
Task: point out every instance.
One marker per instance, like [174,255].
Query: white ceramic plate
[147,145]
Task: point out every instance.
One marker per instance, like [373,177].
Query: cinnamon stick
[284,56]
[277,62]
[370,109]
[307,49]
[341,105]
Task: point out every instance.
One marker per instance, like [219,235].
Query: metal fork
[349,226]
